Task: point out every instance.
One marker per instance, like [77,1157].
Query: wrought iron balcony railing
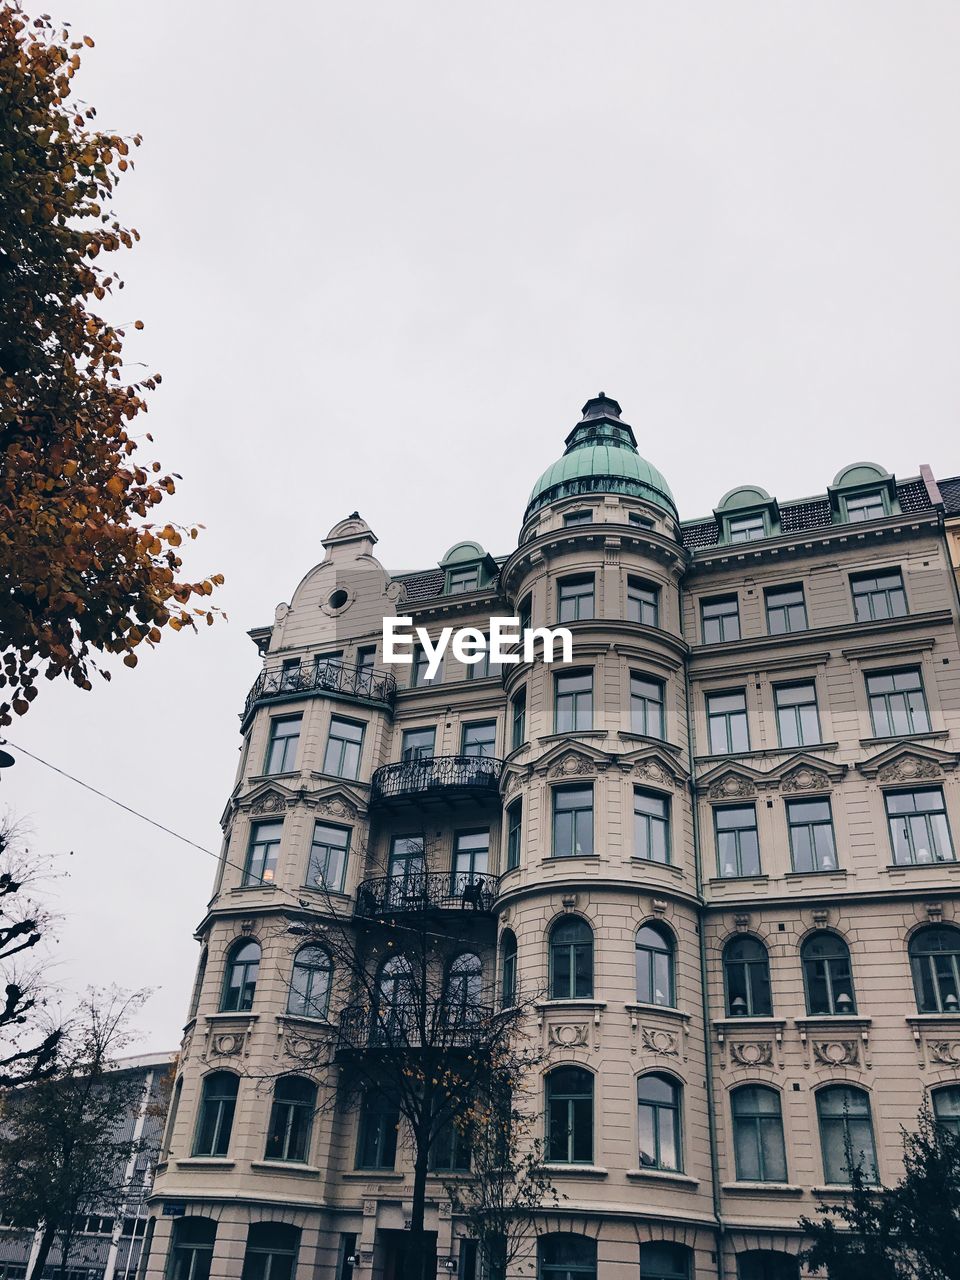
[438,776]
[397,1028]
[426,891]
[324,677]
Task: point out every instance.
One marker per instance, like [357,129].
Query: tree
[83,572]
[65,1140]
[907,1232]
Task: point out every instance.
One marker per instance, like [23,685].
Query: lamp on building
[353,1259]
[950,1003]
[738,1006]
[844,1003]
[448,1264]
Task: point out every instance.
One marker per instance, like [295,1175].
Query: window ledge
[225,1015]
[761,1189]
[668,1010]
[675,871]
[267,886]
[764,752]
[841,1189]
[568,857]
[840,872]
[831,1020]
[287,1166]
[575,1170]
[931,1019]
[931,735]
[371,1175]
[904,867]
[664,1175]
[257,778]
[339,777]
[761,880]
[749,1021]
[571,1002]
[304,1020]
[627,735]
[572,733]
[205,1162]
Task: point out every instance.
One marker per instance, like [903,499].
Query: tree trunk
[417,1259]
[40,1261]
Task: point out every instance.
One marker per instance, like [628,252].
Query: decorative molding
[837,1053]
[908,769]
[935,912]
[229,1043]
[805,779]
[945,1052]
[569,1035]
[269,802]
[659,906]
[651,771]
[752,1053]
[742,920]
[732,786]
[571,765]
[338,808]
[659,1041]
[569,901]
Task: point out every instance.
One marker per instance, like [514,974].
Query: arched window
[570,1116]
[571,960]
[746,976]
[846,1126]
[946,1108]
[758,1134]
[660,1260]
[395,1000]
[291,1119]
[309,995]
[654,951]
[464,988]
[566,1256]
[508,969]
[826,974]
[198,984]
[191,1249]
[271,1251]
[658,1122]
[240,980]
[935,961]
[218,1101]
[767,1264]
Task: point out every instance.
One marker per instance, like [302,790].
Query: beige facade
[759,782]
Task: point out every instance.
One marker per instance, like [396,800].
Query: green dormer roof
[601,457]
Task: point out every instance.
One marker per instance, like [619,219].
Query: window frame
[755,1006]
[926,972]
[557,809]
[793,710]
[226,1106]
[518,718]
[580,701]
[720,619]
[286,1115]
[514,826]
[755,1122]
[739,873]
[731,748]
[870,596]
[811,826]
[842,1121]
[754,524]
[645,704]
[377,1109]
[284,765]
[244,1000]
[650,824]
[350,749]
[268,860]
[322,880]
[668,950]
[569,1098]
[832,976]
[646,612]
[672,1110]
[787,609]
[307,998]
[862,498]
[578,612]
[886,698]
[573,950]
[936,856]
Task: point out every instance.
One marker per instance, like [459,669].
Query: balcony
[426,892]
[337,678]
[397,1029]
[438,778]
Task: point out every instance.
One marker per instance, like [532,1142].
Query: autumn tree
[86,568]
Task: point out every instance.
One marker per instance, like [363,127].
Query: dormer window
[747,514]
[862,491]
[467,568]
[748,528]
[464,580]
[866,506]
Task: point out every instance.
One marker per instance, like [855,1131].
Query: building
[724,847]
[107,1244]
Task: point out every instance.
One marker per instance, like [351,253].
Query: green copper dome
[601,457]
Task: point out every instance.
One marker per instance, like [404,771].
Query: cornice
[597,537]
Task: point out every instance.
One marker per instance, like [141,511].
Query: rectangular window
[573,710]
[727,723]
[576,599]
[897,704]
[919,832]
[263,852]
[471,856]
[514,834]
[479,739]
[418,671]
[464,580]
[869,506]
[342,757]
[651,826]
[786,610]
[812,844]
[798,721]
[572,821]
[519,736]
[290,674]
[367,657]
[327,668]
[328,857]
[417,744]
[747,528]
[525,613]
[578,517]
[738,846]
[636,518]
[878,595]
[483,668]
[377,1137]
[643,602]
[282,751]
[646,706]
[720,619]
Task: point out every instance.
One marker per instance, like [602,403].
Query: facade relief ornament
[752,1053]
[227,1044]
[569,1035]
[650,771]
[731,786]
[805,779]
[656,1040]
[946,1052]
[570,766]
[337,808]
[837,1053]
[269,802]
[907,768]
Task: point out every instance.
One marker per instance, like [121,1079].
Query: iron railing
[397,1028]
[436,775]
[427,891]
[323,677]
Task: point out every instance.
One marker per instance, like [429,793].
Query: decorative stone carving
[337,808]
[269,802]
[303,1048]
[664,1043]
[227,1044]
[804,779]
[820,916]
[946,1052]
[659,906]
[836,1053]
[568,901]
[571,765]
[569,1035]
[752,1053]
[741,920]
[731,786]
[907,768]
[512,784]
[935,912]
[650,771]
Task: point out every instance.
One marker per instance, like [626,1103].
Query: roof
[950,490]
[600,462]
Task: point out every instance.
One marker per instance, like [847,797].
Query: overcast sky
[388,251]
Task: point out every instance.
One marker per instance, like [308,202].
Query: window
[240,980]
[395,1002]
[786,610]
[826,975]
[758,1135]
[519,736]
[798,721]
[572,822]
[282,751]
[514,834]
[417,744]
[218,1101]
[878,595]
[566,1256]
[464,580]
[935,961]
[525,613]
[406,869]
[198,984]
[327,669]
[271,1251]
[868,506]
[471,852]
[309,995]
[646,706]
[767,1264]
[946,1108]
[377,1137]
[570,1116]
[643,602]
[720,619]
[636,518]
[810,825]
[747,528]
[578,517]
[919,832]
[571,960]
[418,671]
[662,1261]
[738,847]
[574,702]
[191,1248]
[508,969]
[479,739]
[845,1127]
[328,857]
[658,1122]
[291,1119]
[654,951]
[262,853]
[897,704]
[727,723]
[480,670]
[463,990]
[746,974]
[342,758]
[290,674]
[651,826]
[576,599]
[450,1149]
[367,657]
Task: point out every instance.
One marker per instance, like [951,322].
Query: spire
[601,424]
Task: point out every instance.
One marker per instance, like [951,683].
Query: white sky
[388,251]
